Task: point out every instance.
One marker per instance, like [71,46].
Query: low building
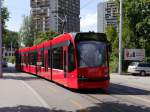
[8,52]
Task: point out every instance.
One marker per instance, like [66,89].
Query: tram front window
[91,53]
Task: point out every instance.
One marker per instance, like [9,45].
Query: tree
[136,23]
[112,36]
[5,18]
[5,15]
[27,32]
[29,35]
[113,39]
[10,37]
[44,36]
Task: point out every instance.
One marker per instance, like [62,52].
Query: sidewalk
[17,96]
[121,74]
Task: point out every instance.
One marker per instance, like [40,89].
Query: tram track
[109,98]
[99,104]
[131,95]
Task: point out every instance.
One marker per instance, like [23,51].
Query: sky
[19,8]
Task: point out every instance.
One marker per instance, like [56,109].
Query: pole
[1,75]
[11,48]
[120,41]
[64,21]
[64,24]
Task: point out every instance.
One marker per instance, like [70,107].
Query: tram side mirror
[109,47]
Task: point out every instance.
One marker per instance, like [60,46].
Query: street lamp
[120,41]
[1,75]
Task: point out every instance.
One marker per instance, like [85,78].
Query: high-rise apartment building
[107,15]
[49,14]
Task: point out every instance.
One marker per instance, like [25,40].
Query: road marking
[142,99]
[76,103]
[52,89]
[36,95]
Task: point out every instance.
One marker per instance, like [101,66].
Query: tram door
[49,61]
[46,60]
[39,63]
[65,62]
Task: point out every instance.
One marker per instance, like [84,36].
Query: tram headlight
[81,76]
[106,72]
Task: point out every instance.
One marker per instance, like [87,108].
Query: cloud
[89,22]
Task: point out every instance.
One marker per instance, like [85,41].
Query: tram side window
[49,58]
[71,58]
[58,58]
[28,55]
[42,57]
[18,59]
[30,58]
[33,58]
[25,58]
[22,59]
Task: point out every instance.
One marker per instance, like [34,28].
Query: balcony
[40,3]
[40,12]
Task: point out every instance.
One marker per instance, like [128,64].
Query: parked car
[139,68]
[4,63]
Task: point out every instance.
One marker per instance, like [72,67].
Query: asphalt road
[125,94]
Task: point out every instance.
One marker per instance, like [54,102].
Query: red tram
[74,60]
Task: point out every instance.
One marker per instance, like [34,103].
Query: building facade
[50,14]
[8,52]
[107,15]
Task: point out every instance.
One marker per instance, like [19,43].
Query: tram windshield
[91,53]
